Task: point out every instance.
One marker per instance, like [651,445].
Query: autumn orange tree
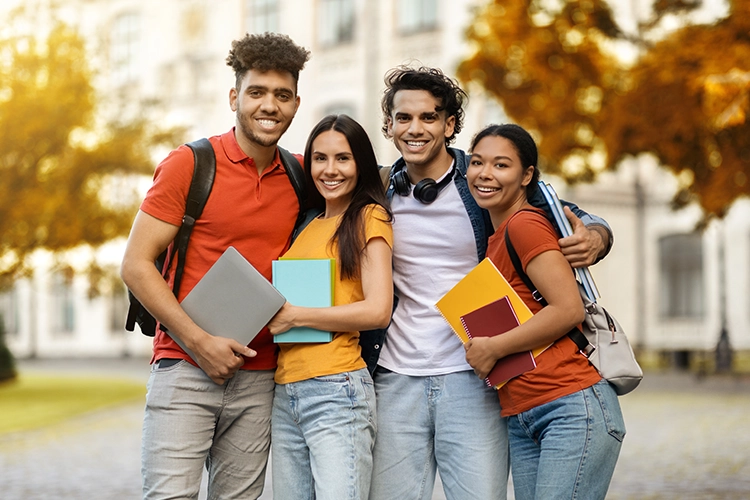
[61,160]
[554,64]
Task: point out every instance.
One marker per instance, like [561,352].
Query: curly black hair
[445,89]
[266,52]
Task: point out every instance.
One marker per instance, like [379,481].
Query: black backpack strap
[204,172]
[307,218]
[578,338]
[516,260]
[297,178]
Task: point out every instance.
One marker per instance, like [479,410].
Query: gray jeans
[191,421]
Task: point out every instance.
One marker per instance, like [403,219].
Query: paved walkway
[687,439]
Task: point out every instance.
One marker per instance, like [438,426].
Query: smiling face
[333,170]
[419,131]
[497,178]
[265,104]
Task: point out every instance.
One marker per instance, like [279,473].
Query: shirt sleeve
[167,197]
[377,225]
[531,234]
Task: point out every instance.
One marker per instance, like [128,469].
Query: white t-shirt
[433,248]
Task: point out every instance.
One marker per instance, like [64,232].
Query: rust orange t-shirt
[561,370]
[253,213]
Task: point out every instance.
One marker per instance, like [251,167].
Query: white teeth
[416,144]
[483,189]
[266,123]
[332,183]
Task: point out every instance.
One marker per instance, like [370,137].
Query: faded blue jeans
[323,431]
[449,423]
[191,422]
[567,448]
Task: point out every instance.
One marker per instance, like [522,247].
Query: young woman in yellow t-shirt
[323,420]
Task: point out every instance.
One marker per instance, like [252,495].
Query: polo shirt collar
[235,153]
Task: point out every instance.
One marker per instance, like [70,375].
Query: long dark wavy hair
[350,233]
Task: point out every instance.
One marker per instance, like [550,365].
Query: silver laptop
[232,300]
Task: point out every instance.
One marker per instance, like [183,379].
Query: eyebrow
[340,153]
[498,157]
[428,114]
[263,87]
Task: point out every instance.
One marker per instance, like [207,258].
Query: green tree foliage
[60,161]
[684,99]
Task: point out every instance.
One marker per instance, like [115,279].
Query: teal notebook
[308,283]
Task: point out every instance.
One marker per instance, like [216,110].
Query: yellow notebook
[483,284]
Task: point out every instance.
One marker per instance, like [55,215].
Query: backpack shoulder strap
[307,218]
[578,338]
[204,172]
[297,178]
[518,266]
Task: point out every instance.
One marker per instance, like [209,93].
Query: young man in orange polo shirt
[216,410]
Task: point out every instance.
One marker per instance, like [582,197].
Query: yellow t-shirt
[305,361]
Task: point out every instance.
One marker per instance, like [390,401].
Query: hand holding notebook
[493,319]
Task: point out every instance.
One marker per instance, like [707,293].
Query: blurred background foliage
[67,166]
[682,96]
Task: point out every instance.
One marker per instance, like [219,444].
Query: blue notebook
[308,283]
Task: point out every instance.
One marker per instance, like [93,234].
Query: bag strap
[297,178]
[578,338]
[307,218]
[204,172]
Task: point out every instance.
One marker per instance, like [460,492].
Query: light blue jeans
[323,431]
[449,423]
[567,448]
[190,422]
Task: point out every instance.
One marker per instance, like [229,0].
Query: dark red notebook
[494,319]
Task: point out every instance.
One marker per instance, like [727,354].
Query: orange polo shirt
[251,212]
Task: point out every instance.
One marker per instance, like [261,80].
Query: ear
[450,126]
[527,176]
[233,99]
[389,130]
[297,100]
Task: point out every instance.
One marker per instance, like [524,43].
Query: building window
[681,262]
[336,22]
[126,34]
[9,311]
[262,16]
[417,15]
[62,302]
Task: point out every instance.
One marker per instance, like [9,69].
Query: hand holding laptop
[232,300]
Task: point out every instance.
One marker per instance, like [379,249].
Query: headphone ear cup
[426,191]
[401,183]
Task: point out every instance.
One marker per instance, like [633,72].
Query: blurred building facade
[663,279]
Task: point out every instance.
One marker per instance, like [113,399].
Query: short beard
[251,136]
